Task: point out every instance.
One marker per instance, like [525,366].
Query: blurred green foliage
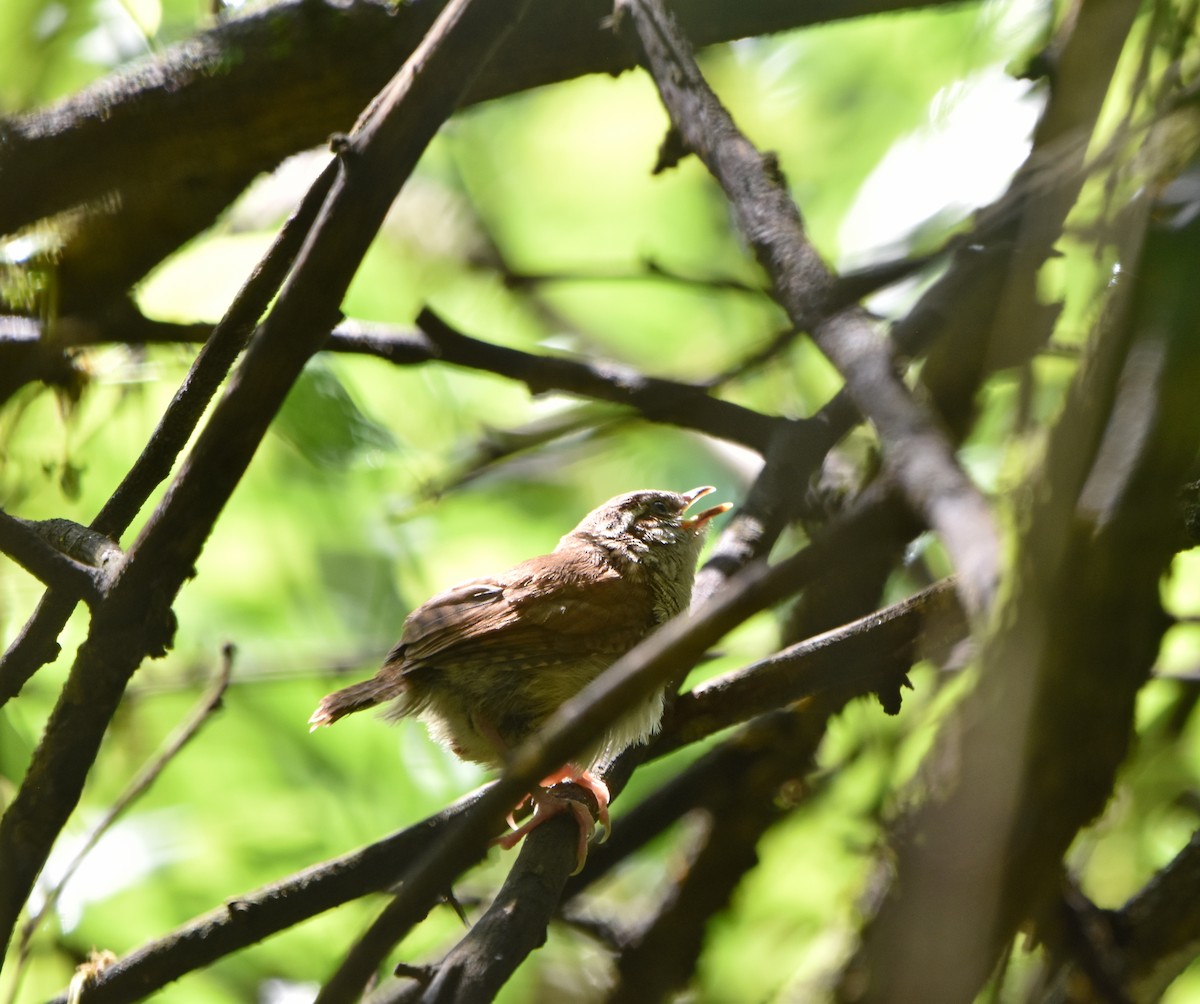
[344,522]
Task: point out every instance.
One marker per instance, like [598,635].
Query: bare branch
[917,453]
[247,919]
[1160,926]
[21,540]
[686,405]
[659,400]
[792,454]
[136,619]
[37,643]
[158,151]
[209,702]
[849,659]
[512,927]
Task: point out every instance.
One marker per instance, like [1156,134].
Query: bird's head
[648,524]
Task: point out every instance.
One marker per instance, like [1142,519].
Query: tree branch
[1159,928]
[158,151]
[844,659]
[245,920]
[741,802]
[136,620]
[37,644]
[916,452]
[659,400]
[24,542]
[209,702]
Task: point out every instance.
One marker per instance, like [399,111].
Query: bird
[486,663]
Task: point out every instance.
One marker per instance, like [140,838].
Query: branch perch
[266,911]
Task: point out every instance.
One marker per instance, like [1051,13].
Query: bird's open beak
[700,520]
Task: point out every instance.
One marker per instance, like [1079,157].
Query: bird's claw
[582,800]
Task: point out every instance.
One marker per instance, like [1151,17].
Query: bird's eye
[660,508]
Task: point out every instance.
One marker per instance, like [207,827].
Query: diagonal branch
[1038,743]
[136,618]
[157,151]
[37,643]
[1160,925]
[209,702]
[740,805]
[917,453]
[846,659]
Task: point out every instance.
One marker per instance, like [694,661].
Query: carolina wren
[485,663]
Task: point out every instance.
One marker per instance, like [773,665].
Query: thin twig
[651,272]
[658,399]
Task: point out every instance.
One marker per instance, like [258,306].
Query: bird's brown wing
[539,611]
[464,611]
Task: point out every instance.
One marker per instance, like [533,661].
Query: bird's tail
[351,699]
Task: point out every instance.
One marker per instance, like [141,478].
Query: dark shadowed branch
[136,619]
[159,151]
[986,310]
[1044,742]
[209,703]
[659,400]
[21,541]
[687,405]
[1158,930]
[916,452]
[259,914]
[37,643]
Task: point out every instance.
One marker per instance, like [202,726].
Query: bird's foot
[568,790]
[588,782]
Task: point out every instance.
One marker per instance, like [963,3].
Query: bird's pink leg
[585,779]
[547,805]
